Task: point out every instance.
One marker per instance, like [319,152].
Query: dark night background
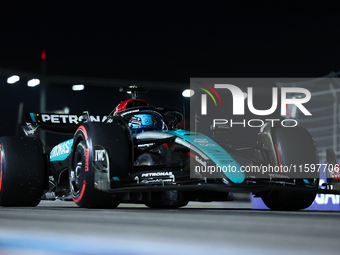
[159,41]
[172,41]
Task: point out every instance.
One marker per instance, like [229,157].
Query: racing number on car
[203,142]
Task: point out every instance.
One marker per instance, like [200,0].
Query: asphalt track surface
[57,227]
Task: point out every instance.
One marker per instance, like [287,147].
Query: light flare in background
[78,87]
[13,79]
[33,82]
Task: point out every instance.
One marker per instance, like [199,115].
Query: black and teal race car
[137,154]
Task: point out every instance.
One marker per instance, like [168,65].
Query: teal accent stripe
[32,117]
[214,151]
[115,178]
[307,182]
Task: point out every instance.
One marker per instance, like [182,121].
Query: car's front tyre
[116,141]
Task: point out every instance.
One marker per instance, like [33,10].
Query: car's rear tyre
[114,138]
[23,171]
[294,147]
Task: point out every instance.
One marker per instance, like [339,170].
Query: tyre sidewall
[293,146]
[95,134]
[23,171]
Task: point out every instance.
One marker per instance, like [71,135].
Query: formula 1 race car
[136,154]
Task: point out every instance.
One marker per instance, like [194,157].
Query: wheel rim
[77,170]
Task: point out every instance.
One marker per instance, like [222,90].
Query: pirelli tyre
[23,171]
[113,138]
[293,147]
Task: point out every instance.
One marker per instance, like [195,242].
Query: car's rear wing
[60,123]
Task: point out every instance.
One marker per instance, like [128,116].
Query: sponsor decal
[87,153]
[201,161]
[135,120]
[101,159]
[157,181]
[204,142]
[64,118]
[99,155]
[156,174]
[125,113]
[53,118]
[279,176]
[145,145]
[61,151]
[160,177]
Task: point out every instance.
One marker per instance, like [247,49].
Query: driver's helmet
[142,122]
